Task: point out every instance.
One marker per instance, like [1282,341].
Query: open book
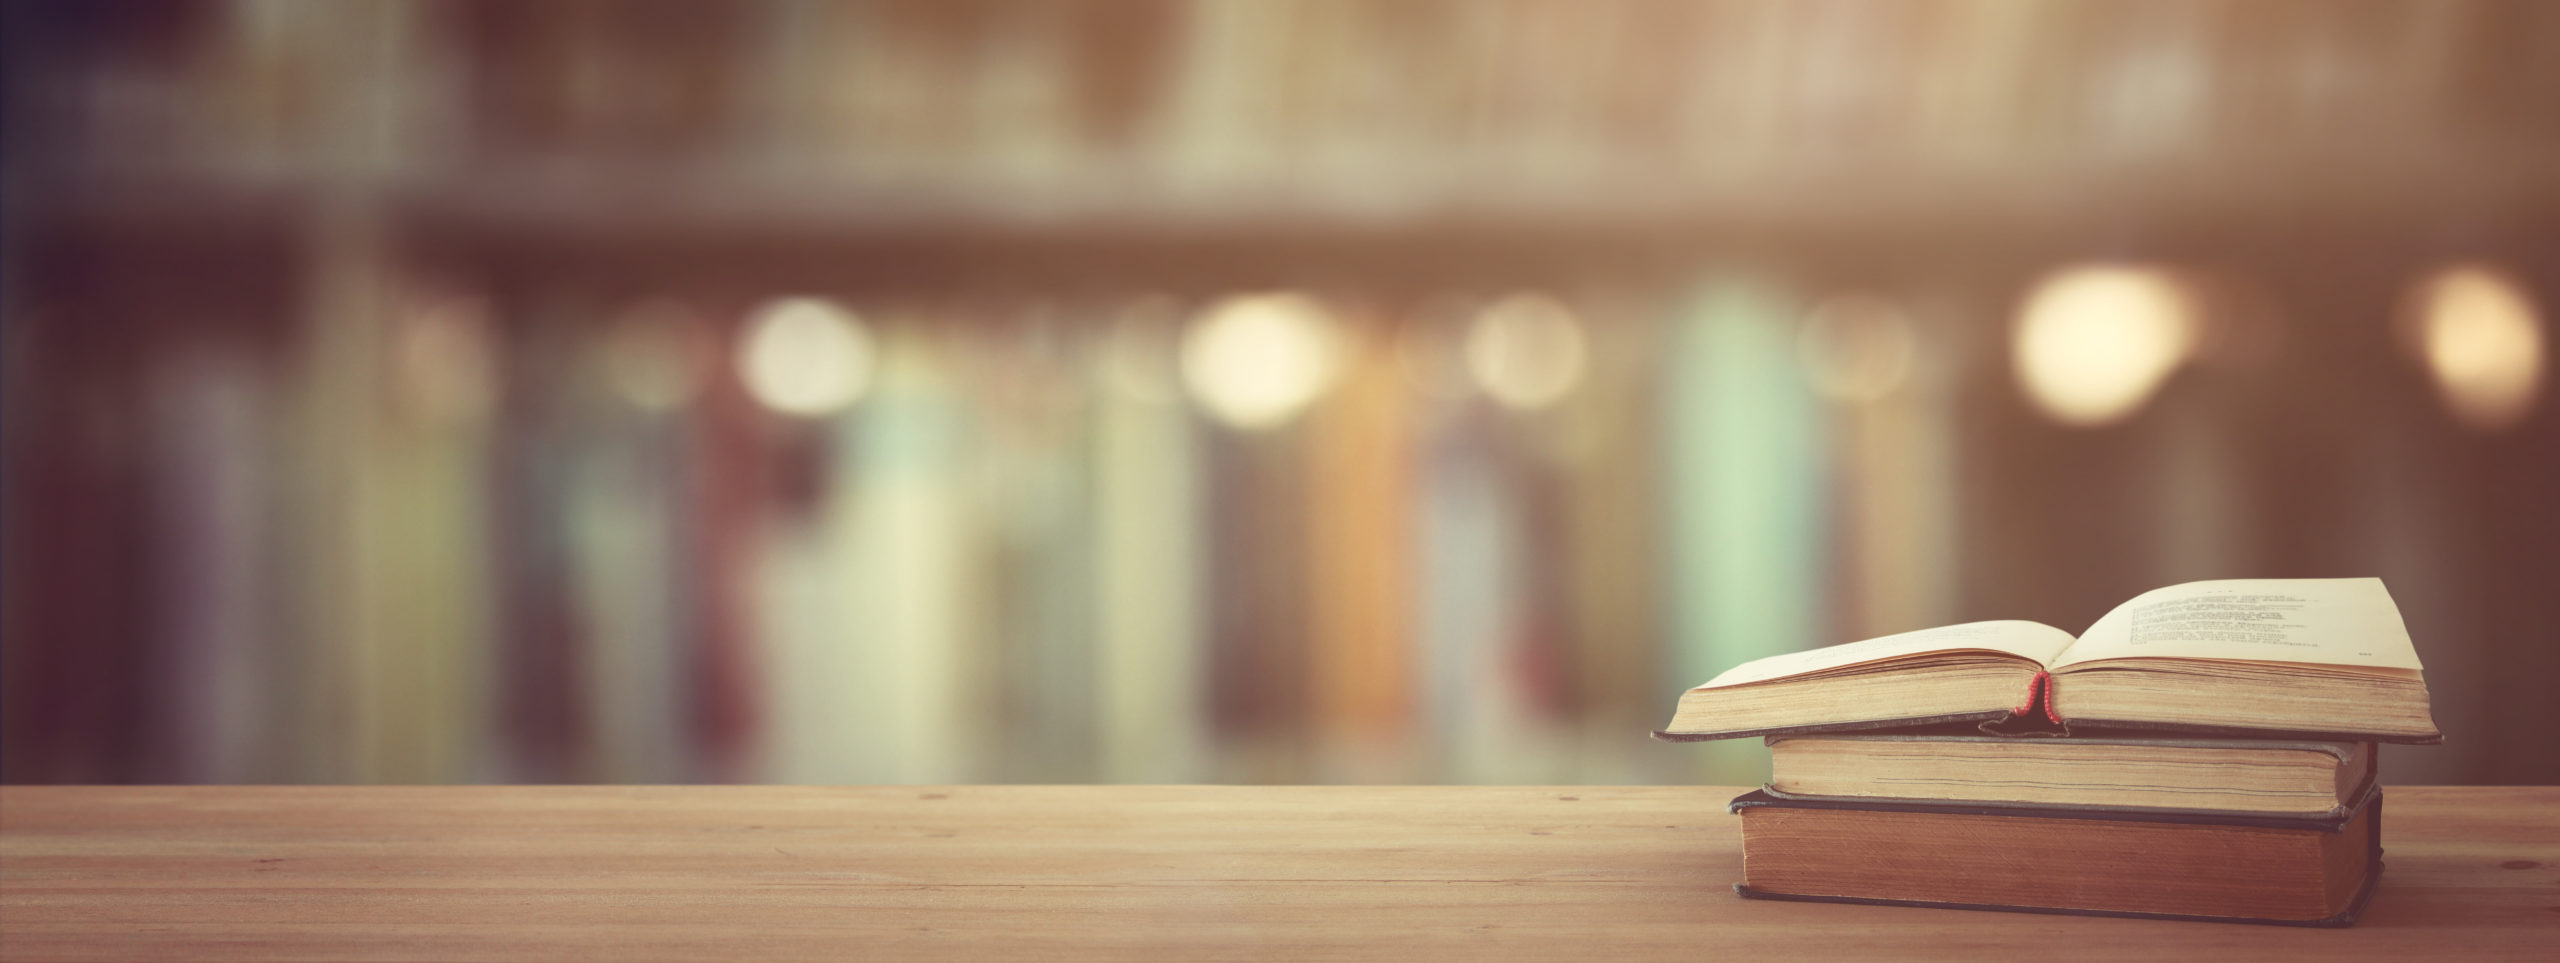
[2323,658]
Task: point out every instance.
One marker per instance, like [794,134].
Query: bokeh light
[806,356]
[1526,351]
[2093,343]
[1856,348]
[1256,360]
[2483,343]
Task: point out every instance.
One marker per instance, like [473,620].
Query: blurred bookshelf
[380,406]
[1712,119]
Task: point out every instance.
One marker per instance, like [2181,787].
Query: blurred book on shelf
[913,390]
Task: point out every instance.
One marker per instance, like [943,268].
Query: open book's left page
[2033,641]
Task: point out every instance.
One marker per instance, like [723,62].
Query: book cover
[2092,862]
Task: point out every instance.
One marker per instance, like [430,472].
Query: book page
[2033,641]
[2327,621]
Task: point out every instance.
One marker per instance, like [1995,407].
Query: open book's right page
[2328,621]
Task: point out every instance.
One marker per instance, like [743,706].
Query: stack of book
[2204,751]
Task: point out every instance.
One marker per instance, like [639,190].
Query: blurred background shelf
[892,391]
[603,201]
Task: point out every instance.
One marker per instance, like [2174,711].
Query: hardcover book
[2306,872]
[2263,777]
[2297,658]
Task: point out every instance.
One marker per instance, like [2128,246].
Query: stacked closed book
[2204,751]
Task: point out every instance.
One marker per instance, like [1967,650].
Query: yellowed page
[2326,621]
[2034,641]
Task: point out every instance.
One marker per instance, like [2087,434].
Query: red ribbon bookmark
[2040,689]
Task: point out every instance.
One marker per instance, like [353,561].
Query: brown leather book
[2303,872]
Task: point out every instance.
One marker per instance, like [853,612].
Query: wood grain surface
[1404,873]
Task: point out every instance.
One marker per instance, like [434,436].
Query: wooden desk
[991,872]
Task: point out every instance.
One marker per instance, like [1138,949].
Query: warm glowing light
[2483,343]
[1256,360]
[806,356]
[2092,344]
[1526,351]
[1855,348]
[653,357]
